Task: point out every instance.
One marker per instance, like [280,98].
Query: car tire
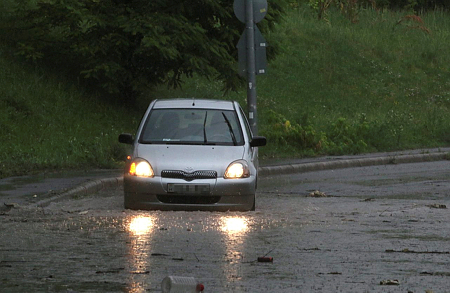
[254,203]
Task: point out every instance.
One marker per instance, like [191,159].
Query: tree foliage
[125,45]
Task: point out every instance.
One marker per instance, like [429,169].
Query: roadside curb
[84,189]
[351,163]
[97,185]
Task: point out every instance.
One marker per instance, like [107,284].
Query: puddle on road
[128,249]
[98,246]
[175,239]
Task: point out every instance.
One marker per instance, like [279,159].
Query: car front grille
[178,174]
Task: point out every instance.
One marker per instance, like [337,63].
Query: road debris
[369,199]
[437,206]
[406,250]
[443,274]
[317,193]
[389,282]
[11,205]
[265,259]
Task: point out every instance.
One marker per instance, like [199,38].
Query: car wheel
[254,203]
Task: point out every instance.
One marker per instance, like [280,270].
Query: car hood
[189,158]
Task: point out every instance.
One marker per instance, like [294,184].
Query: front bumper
[201,194]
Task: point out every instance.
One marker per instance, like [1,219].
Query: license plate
[188,188]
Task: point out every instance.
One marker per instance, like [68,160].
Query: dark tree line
[123,46]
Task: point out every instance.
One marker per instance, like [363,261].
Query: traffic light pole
[251,68]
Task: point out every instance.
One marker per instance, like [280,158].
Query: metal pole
[251,74]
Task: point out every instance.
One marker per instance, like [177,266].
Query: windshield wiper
[230,128]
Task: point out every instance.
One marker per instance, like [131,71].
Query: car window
[187,126]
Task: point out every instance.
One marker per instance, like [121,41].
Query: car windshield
[187,126]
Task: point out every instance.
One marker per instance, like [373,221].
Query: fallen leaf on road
[390,282]
[11,205]
[159,254]
[437,206]
[317,193]
[369,199]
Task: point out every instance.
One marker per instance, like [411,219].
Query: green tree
[125,45]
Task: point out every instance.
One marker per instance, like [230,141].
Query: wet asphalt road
[364,227]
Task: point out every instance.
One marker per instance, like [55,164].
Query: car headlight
[141,168]
[237,169]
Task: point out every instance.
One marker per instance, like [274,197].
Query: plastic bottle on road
[176,284]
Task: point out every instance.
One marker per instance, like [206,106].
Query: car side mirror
[258,141]
[126,138]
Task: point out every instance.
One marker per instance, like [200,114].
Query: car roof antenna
[193,102]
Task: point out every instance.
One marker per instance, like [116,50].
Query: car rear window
[192,126]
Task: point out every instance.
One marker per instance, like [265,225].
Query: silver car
[192,155]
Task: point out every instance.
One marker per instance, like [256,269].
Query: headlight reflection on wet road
[234,225]
[234,230]
[163,239]
[140,228]
[141,225]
